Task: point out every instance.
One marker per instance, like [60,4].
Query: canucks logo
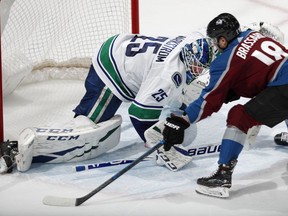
[177,79]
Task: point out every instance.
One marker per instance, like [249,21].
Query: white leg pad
[25,148]
[81,139]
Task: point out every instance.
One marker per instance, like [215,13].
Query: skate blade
[220,192]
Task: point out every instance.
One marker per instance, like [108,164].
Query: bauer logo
[204,150]
[168,124]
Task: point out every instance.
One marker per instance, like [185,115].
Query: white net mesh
[57,33]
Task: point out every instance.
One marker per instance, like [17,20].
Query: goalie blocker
[79,140]
[173,159]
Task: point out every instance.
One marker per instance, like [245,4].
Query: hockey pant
[99,103]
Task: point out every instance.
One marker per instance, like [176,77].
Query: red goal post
[56,33]
[1,97]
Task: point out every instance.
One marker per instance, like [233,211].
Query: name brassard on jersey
[246,45]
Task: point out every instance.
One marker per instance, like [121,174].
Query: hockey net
[39,36]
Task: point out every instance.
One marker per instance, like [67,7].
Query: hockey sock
[230,150]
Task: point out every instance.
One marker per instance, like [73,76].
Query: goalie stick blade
[59,201]
[80,168]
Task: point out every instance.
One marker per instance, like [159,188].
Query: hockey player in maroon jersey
[250,65]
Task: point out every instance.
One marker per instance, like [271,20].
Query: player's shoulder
[123,37]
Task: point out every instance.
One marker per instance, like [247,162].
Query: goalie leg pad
[25,150]
[80,140]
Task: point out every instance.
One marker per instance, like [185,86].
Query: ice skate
[281,139]
[218,183]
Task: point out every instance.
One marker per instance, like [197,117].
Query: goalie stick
[79,168]
[201,151]
[197,151]
[193,152]
[62,201]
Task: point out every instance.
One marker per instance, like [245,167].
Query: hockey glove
[173,132]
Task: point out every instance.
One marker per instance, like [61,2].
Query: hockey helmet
[225,25]
[197,57]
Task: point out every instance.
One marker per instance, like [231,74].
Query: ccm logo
[63,138]
[53,130]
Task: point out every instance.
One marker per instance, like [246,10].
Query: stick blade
[59,201]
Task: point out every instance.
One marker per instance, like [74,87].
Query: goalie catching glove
[173,132]
[268,30]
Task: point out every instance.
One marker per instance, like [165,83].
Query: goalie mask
[197,57]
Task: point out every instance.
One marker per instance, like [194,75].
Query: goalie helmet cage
[39,34]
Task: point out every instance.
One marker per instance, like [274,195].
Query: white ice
[260,180]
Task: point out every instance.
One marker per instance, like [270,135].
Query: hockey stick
[79,168]
[62,201]
[193,152]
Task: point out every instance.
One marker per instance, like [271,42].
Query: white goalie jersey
[144,70]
